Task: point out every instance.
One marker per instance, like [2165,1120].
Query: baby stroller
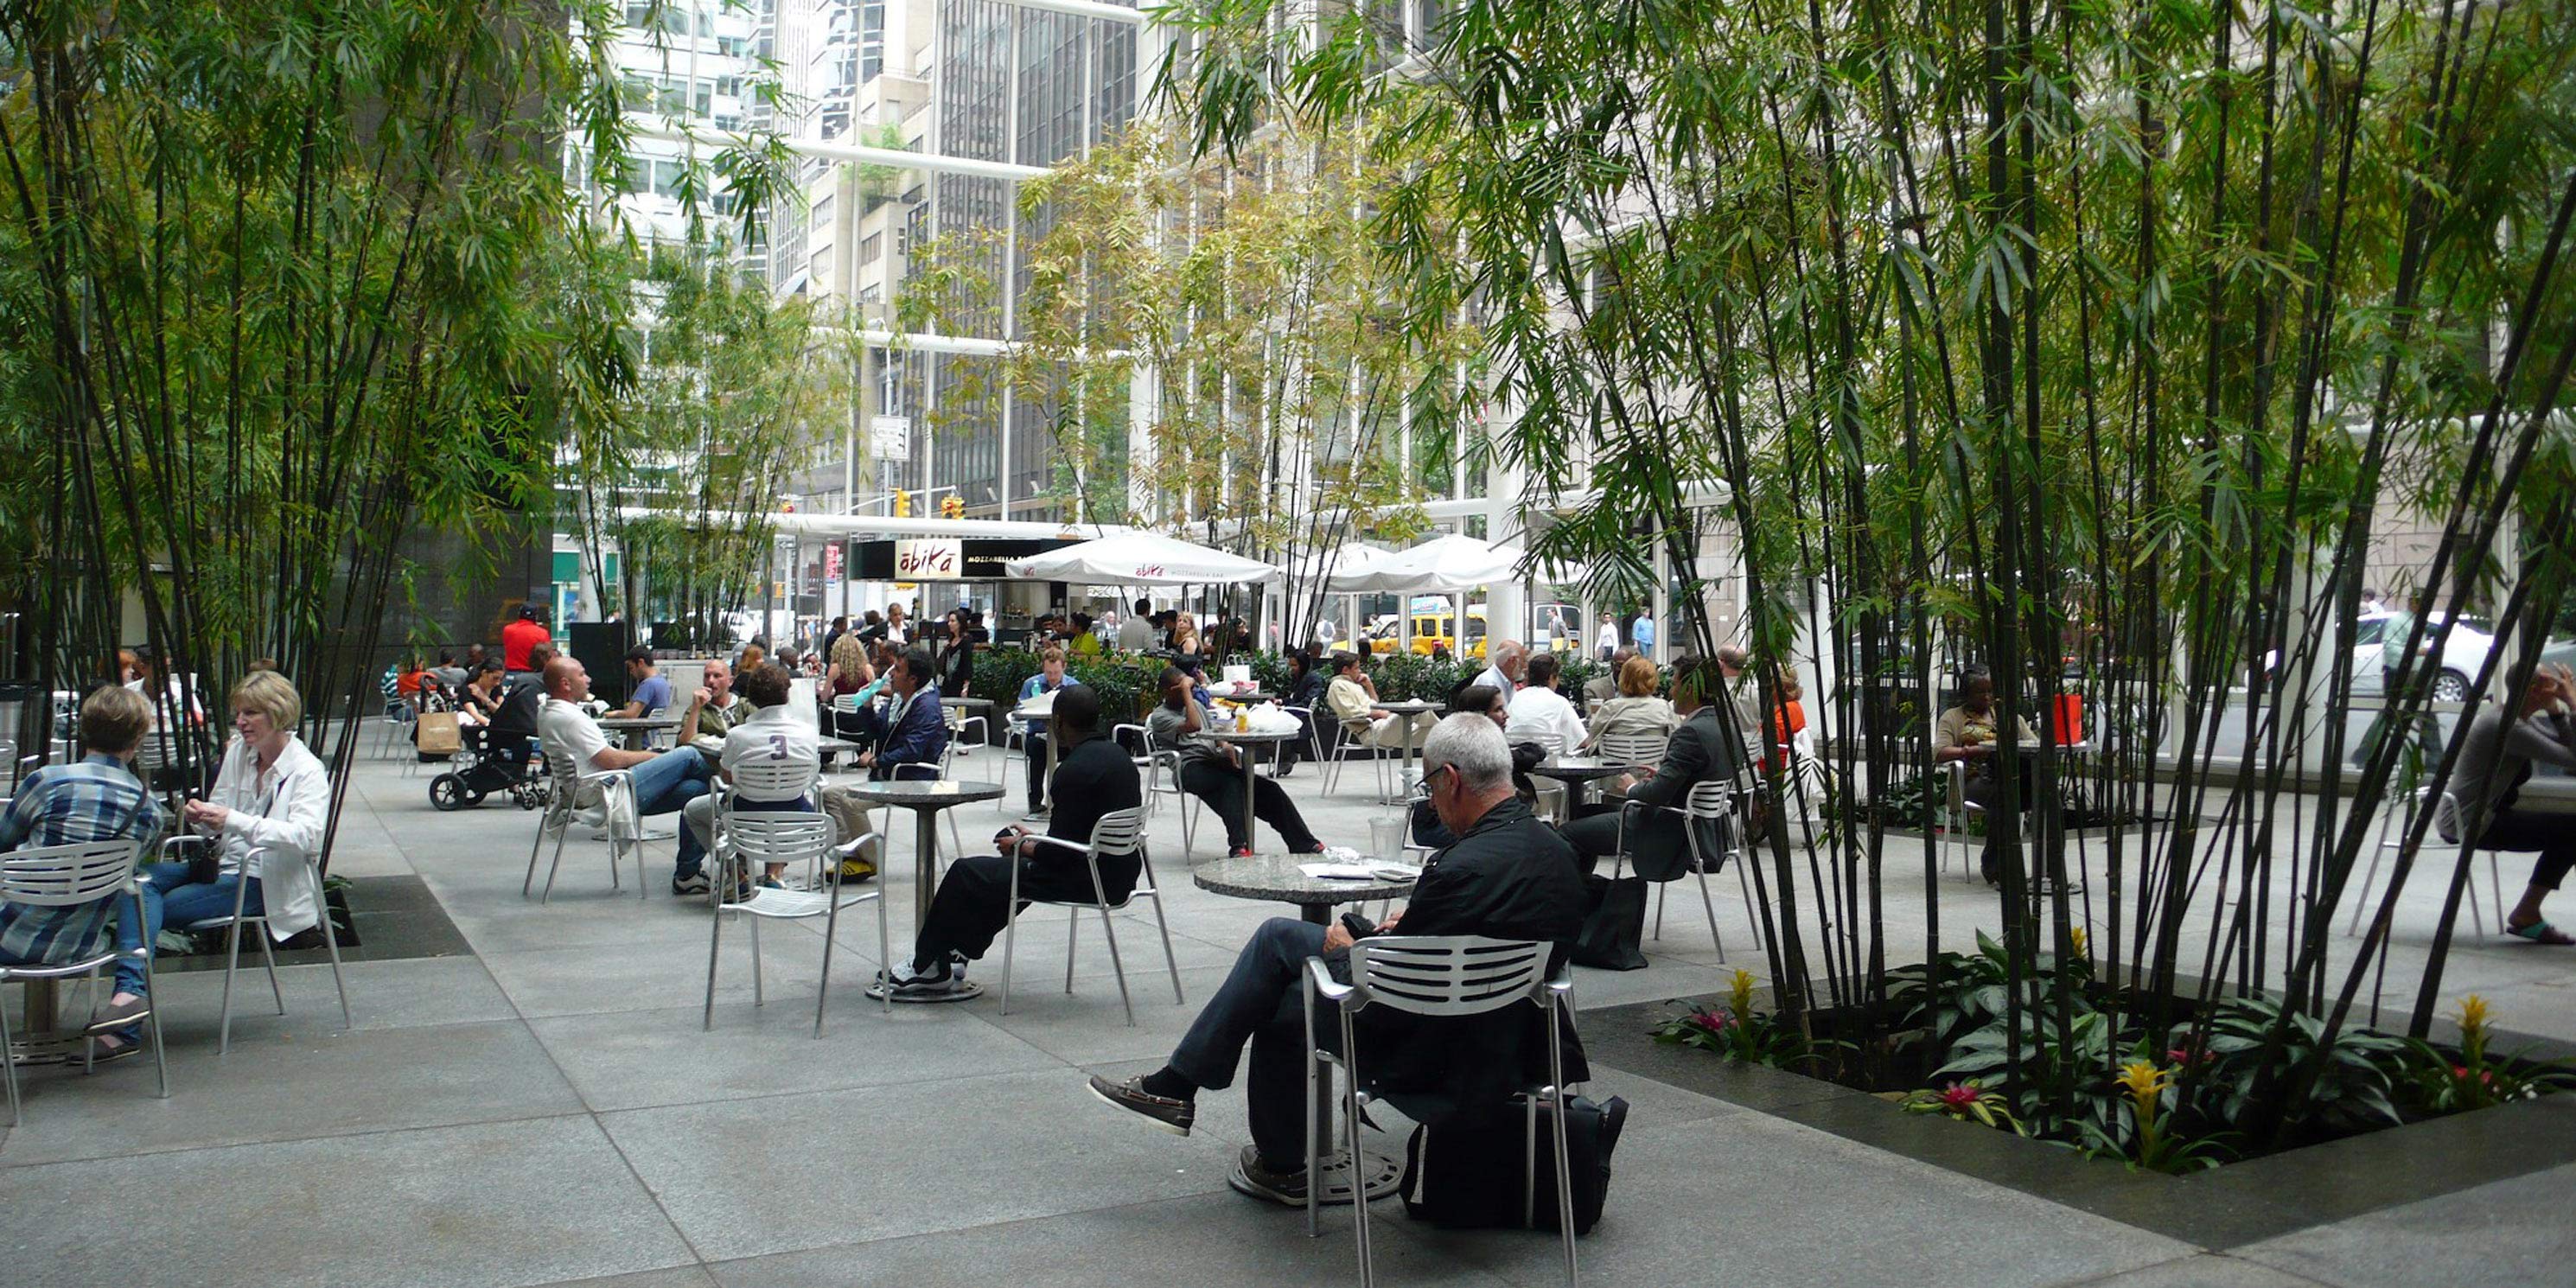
[491,762]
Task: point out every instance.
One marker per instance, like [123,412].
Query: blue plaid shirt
[96,800]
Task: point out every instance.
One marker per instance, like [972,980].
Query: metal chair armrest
[1078,847]
[1320,982]
[182,840]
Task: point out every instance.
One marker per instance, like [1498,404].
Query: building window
[822,212]
[871,293]
[872,248]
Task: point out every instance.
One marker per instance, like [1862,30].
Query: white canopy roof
[1439,566]
[1140,559]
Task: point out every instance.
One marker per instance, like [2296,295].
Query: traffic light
[902,504]
[952,506]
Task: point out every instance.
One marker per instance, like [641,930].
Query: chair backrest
[779,836]
[1711,799]
[151,753]
[1119,832]
[1447,974]
[1548,739]
[1632,749]
[60,876]
[846,702]
[773,780]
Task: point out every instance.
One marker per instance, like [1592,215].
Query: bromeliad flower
[1739,997]
[1710,1021]
[1959,1097]
[2144,1082]
[2473,1017]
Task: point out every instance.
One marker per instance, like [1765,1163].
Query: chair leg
[1169,961]
[1010,937]
[831,928]
[557,865]
[1564,1164]
[331,944]
[1351,1148]
[715,935]
[1073,924]
[533,848]
[1710,904]
[2469,862]
[9,1067]
[2495,879]
[1658,936]
[232,963]
[758,996]
[885,949]
[2370,876]
[151,1021]
[1117,967]
[268,958]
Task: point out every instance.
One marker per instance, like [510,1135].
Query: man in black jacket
[1508,877]
[1658,849]
[1092,778]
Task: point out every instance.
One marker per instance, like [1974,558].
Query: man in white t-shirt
[1537,708]
[1136,634]
[1606,642]
[771,734]
[664,783]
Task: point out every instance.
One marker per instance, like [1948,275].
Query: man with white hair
[1504,675]
[1508,876]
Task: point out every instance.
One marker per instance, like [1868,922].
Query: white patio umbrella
[1141,559]
[1441,566]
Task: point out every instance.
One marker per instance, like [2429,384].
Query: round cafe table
[1575,771]
[925,798]
[627,726]
[1247,740]
[1278,877]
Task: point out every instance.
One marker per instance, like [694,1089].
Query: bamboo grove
[284,287]
[2081,340]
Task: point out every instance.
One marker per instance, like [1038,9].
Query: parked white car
[2463,654]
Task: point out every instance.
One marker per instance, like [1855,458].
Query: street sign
[890,438]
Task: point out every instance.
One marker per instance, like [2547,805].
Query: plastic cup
[1386,838]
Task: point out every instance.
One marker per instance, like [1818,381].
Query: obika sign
[928,559]
[1144,571]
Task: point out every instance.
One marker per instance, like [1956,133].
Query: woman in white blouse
[267,814]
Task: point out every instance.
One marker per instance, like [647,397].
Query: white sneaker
[906,983]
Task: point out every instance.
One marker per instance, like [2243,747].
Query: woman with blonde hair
[1638,710]
[265,820]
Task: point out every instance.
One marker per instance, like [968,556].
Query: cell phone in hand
[1357,926]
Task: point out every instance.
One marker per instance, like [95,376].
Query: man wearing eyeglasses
[1509,876]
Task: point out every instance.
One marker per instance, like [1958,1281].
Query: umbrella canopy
[1140,559]
[1350,560]
[1443,565]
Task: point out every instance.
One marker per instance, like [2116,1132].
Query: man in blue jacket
[910,730]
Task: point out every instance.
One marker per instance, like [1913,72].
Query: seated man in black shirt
[1508,877]
[1092,778]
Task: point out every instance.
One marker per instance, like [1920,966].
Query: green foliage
[2476,1080]
[1973,990]
[2355,1075]
[1416,677]
[1126,685]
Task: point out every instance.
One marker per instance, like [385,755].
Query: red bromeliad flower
[1960,1096]
[1711,1021]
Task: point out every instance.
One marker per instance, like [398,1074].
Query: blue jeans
[665,785]
[1262,1003]
[170,899]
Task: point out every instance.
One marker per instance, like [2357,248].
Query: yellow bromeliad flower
[1740,997]
[2145,1082]
[2076,937]
[2473,1016]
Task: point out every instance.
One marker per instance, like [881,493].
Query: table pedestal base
[1383,1173]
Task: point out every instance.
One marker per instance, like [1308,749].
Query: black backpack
[1469,1172]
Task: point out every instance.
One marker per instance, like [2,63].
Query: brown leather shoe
[1174,1116]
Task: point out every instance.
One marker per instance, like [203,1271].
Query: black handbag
[1496,1167]
[1614,924]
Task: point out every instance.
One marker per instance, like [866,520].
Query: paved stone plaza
[540,1106]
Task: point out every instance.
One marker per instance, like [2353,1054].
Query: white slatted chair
[599,798]
[1706,802]
[2449,816]
[1956,812]
[1635,750]
[1146,764]
[1437,976]
[661,739]
[1554,800]
[1165,780]
[1343,750]
[68,876]
[1119,833]
[393,724]
[790,837]
[232,925]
